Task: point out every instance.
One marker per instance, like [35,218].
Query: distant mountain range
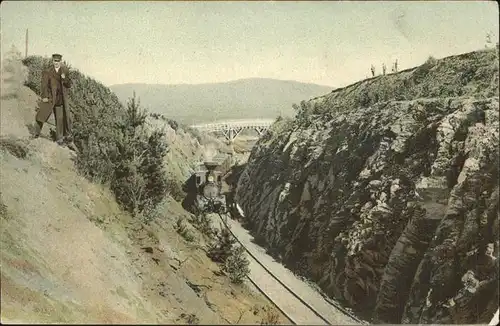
[243,98]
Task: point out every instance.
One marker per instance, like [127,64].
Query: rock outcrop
[385,193]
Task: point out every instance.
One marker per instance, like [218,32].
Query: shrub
[173,124]
[421,72]
[4,212]
[153,212]
[202,223]
[232,258]
[304,111]
[139,176]
[222,248]
[192,319]
[280,126]
[36,65]
[236,265]
[196,134]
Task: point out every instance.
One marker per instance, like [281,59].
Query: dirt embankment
[385,193]
[69,254]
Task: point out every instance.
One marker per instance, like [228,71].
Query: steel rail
[345,312]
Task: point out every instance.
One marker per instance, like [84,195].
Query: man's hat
[56,56]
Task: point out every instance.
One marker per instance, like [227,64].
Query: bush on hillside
[196,134]
[221,249]
[422,71]
[231,256]
[303,111]
[139,175]
[115,145]
[36,65]
[201,221]
[306,111]
[236,265]
[172,123]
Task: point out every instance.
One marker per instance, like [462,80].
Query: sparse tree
[223,247]
[237,265]
[140,179]
[383,69]
[231,256]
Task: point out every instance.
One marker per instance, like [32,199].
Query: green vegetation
[230,256]
[202,223]
[236,265]
[220,250]
[139,179]
[115,145]
[222,247]
[470,74]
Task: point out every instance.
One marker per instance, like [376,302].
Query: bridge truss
[232,128]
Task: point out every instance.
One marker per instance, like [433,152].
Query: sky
[179,42]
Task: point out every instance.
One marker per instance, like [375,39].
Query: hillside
[245,98]
[385,193]
[70,253]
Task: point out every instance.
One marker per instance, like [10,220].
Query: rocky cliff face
[385,193]
[187,147]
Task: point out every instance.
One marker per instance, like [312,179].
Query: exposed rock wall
[385,192]
[187,147]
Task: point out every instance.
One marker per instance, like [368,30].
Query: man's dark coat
[50,80]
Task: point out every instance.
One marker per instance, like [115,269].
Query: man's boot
[69,142]
[60,142]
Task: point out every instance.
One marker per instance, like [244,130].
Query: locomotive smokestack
[211,165]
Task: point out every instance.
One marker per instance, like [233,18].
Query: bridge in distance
[232,128]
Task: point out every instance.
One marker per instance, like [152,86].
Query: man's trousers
[63,129]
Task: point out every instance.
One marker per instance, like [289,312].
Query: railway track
[290,303]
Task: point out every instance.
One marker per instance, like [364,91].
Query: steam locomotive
[204,189]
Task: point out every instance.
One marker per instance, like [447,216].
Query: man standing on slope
[55,84]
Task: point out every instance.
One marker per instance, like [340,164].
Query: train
[205,189]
